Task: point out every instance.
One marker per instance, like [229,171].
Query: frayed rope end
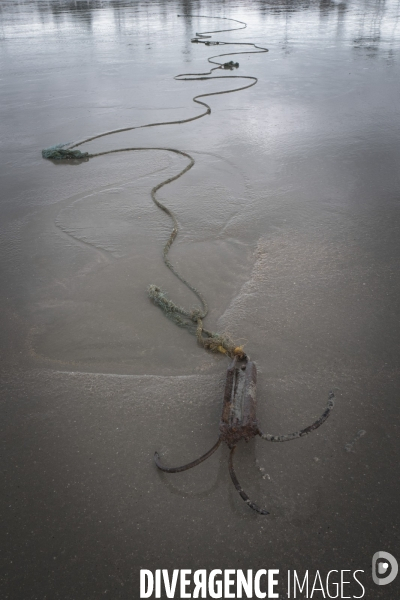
[58,152]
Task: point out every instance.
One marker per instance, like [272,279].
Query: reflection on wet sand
[371,26]
[290,226]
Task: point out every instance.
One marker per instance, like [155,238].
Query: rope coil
[191,320]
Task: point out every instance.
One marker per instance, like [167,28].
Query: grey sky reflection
[367,26]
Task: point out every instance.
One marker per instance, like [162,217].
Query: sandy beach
[289,224]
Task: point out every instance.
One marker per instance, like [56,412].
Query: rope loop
[196,315]
[189,319]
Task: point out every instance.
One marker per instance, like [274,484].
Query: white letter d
[146,576]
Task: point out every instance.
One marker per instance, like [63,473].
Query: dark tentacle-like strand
[239,488]
[189,465]
[302,432]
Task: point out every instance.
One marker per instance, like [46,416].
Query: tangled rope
[191,320]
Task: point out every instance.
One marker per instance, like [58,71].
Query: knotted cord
[190,319]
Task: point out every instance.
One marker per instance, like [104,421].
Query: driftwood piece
[238,420]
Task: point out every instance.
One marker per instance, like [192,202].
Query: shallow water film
[288,225]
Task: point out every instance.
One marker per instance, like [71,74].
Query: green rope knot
[169,307]
[230,65]
[58,152]
[193,322]
[196,315]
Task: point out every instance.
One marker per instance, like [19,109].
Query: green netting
[59,152]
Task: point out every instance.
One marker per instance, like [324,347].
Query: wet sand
[289,225]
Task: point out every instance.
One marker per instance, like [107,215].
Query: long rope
[190,319]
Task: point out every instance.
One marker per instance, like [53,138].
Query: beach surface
[289,224]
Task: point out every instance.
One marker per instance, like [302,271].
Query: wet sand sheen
[289,226]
